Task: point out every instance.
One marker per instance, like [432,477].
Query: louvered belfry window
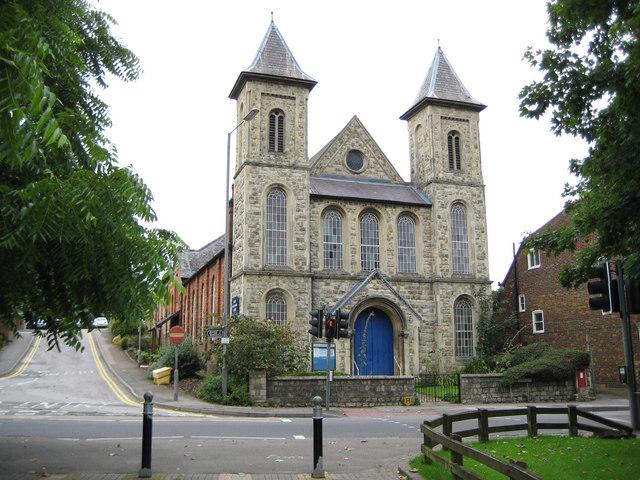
[332,240]
[453,147]
[459,239]
[276,227]
[369,242]
[463,319]
[276,131]
[406,244]
[276,308]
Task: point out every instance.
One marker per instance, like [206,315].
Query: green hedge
[211,391]
[189,360]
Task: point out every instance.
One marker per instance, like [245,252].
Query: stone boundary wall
[486,388]
[362,391]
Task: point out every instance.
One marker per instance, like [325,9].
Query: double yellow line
[25,363]
[105,376]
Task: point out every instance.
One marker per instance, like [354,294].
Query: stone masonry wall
[345,391]
[486,388]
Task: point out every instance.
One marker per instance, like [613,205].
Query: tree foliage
[591,87]
[496,329]
[72,243]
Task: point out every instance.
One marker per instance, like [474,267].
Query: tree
[591,86]
[72,243]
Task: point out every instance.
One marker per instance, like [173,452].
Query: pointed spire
[273,61]
[442,86]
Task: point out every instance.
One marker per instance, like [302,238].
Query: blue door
[373,343]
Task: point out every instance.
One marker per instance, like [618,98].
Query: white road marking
[69,439]
[285,420]
[299,437]
[113,439]
[237,438]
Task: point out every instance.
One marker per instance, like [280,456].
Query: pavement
[14,351]
[221,476]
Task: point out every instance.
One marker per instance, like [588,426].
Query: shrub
[542,362]
[479,365]
[3,340]
[146,358]
[260,345]
[189,361]
[122,328]
[211,391]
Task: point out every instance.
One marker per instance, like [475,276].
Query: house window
[276,131]
[463,319]
[453,147]
[533,258]
[459,239]
[537,318]
[276,227]
[522,303]
[406,244]
[276,308]
[332,240]
[369,242]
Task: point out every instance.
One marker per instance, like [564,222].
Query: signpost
[176,337]
[215,332]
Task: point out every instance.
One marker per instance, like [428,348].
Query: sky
[370,59]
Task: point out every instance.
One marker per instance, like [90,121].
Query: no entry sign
[176,335]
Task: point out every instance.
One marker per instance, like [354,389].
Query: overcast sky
[369,58]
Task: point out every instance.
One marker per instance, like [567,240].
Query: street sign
[224,340]
[176,335]
[215,332]
[235,306]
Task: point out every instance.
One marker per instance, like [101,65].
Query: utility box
[162,376]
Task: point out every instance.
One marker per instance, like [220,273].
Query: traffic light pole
[327,388]
[627,341]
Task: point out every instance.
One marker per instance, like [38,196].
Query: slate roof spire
[443,87]
[273,61]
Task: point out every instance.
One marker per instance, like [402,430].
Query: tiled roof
[191,261]
[273,60]
[442,85]
[371,190]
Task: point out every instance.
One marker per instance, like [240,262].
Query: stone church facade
[408,260]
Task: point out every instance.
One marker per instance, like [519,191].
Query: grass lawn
[557,458]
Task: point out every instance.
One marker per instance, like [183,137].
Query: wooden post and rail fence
[452,440]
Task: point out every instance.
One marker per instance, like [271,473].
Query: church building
[407,260]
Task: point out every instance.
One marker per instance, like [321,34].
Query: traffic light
[342,318]
[605,288]
[316,323]
[331,327]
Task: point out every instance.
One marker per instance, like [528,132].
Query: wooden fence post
[456,457]
[532,421]
[447,426]
[429,444]
[572,411]
[483,425]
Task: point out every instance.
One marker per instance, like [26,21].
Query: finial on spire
[438,40]
[272,16]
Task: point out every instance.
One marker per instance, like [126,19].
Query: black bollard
[318,470]
[147,424]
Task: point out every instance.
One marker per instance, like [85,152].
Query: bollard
[147,424]
[318,471]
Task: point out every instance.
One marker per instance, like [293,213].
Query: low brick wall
[487,388]
[345,391]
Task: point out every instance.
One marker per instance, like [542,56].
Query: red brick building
[201,272]
[547,312]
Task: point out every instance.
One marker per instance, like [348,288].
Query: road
[61,415]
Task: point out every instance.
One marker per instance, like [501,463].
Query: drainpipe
[515,284]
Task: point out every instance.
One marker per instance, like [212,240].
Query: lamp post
[227,251]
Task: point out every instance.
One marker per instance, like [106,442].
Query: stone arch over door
[383,308]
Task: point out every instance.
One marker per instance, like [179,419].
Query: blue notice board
[319,357]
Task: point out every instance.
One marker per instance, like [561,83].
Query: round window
[355,160]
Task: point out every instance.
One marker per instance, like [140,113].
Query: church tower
[270,268]
[445,160]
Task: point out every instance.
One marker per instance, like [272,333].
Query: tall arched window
[463,320]
[276,308]
[453,146]
[406,244]
[332,240]
[276,227]
[459,239]
[276,131]
[369,242]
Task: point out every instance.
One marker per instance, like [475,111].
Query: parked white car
[100,322]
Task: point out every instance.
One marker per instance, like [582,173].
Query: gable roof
[370,190]
[273,61]
[442,86]
[329,151]
[191,262]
